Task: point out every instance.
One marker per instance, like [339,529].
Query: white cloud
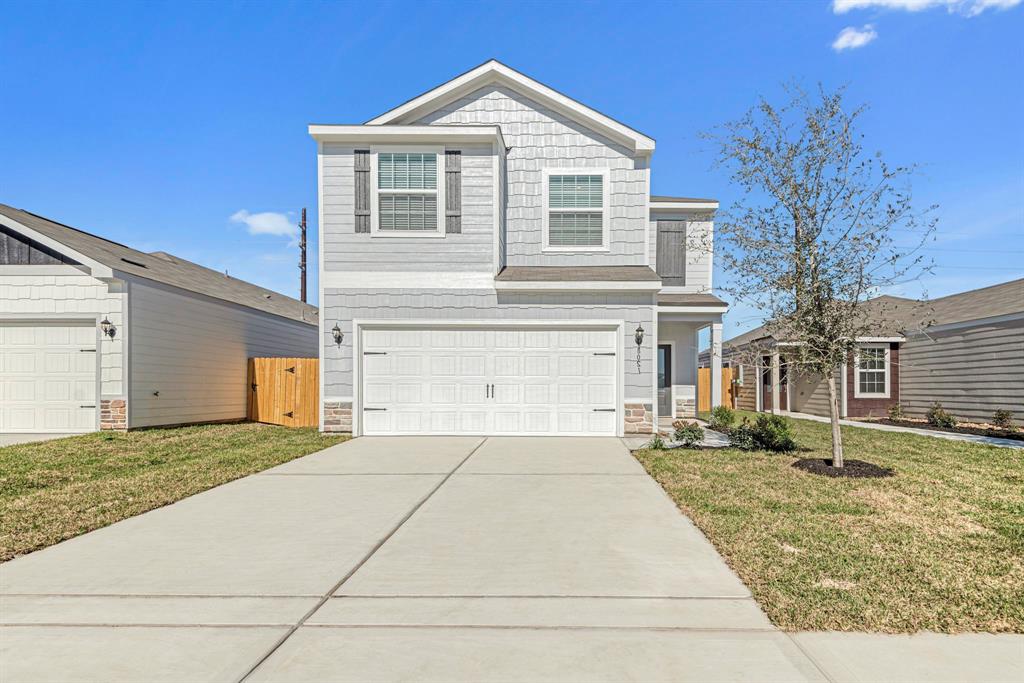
[850,38]
[970,8]
[268,223]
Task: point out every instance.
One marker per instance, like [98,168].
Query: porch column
[776,381]
[716,364]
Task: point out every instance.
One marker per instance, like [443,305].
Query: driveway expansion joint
[359,565]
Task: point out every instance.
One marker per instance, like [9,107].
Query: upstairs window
[407,193]
[575,211]
[871,371]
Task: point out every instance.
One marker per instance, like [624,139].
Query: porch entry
[766,384]
[665,407]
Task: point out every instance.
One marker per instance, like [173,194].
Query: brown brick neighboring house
[964,350]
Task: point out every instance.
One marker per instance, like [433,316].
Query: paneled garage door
[47,377]
[489,381]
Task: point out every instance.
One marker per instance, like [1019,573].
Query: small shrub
[690,434]
[656,443]
[722,418]
[1003,419]
[938,417]
[773,433]
[742,437]
[895,411]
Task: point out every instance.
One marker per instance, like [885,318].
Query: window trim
[857,393]
[546,174]
[375,192]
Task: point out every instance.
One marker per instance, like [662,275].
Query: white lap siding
[189,354]
[344,306]
[540,138]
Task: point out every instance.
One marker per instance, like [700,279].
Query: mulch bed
[962,429]
[853,469]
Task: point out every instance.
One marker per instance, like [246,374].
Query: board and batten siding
[344,306]
[344,249]
[973,371]
[50,292]
[189,354]
[541,138]
[698,256]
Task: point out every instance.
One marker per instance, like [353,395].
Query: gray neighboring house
[964,350]
[174,349]
[492,261]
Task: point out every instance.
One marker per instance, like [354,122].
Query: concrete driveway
[10,439]
[455,559]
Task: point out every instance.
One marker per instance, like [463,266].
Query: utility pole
[302,257]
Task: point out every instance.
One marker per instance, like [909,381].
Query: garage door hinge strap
[87,350]
[374,408]
[603,353]
[375,353]
[604,410]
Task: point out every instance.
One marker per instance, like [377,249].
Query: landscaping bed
[53,490]
[962,428]
[938,546]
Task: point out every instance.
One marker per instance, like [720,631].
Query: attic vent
[134,263]
[266,296]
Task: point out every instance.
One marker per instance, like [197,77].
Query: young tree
[821,228]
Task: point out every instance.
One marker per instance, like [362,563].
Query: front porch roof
[683,300]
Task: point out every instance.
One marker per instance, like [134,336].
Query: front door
[766,384]
[665,381]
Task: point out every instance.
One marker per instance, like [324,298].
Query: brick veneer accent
[113,414]
[337,416]
[639,418]
[874,407]
[686,407]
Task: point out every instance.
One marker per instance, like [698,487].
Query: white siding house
[518,289]
[176,347]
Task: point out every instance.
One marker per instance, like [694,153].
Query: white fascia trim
[397,134]
[495,72]
[568,286]
[662,310]
[96,268]
[406,280]
[879,340]
[677,206]
[64,270]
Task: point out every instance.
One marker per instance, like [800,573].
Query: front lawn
[939,546]
[54,490]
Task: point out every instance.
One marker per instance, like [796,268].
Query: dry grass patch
[939,546]
[54,490]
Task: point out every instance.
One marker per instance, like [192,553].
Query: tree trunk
[833,413]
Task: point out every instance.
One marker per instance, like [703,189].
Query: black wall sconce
[337,334]
[108,328]
[638,337]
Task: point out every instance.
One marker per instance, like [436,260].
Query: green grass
[938,547]
[54,490]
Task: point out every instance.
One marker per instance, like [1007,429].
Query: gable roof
[160,266]
[494,72]
[896,315]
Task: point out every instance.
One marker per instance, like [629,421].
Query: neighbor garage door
[489,381]
[47,377]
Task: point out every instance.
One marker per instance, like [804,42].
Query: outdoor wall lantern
[638,337]
[337,334]
[108,328]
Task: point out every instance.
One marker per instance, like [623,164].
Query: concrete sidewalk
[972,438]
[455,559]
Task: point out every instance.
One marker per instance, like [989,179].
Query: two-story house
[492,262]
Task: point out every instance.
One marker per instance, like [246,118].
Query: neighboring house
[492,262]
[175,350]
[965,351]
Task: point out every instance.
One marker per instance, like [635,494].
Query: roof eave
[325,132]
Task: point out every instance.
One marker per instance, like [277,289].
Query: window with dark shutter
[453,191]
[362,189]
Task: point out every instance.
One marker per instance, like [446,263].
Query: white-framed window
[871,371]
[575,209]
[407,191]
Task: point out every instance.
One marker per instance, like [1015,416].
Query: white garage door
[489,381]
[47,377]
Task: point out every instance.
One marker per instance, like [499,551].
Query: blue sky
[155,124]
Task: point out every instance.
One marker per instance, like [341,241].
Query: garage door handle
[604,410]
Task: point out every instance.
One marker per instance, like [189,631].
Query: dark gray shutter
[671,257]
[362,178]
[453,191]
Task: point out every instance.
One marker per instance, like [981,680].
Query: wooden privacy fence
[704,389]
[284,391]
